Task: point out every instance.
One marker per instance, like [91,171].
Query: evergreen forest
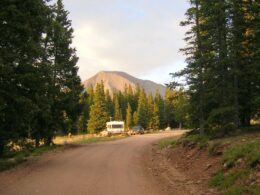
[222,76]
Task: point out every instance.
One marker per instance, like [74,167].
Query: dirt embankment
[181,171]
[228,165]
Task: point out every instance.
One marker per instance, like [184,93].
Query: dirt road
[105,168]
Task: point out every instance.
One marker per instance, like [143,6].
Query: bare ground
[181,172]
[128,166]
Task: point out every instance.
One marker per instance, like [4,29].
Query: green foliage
[142,111]
[222,64]
[41,150]
[235,190]
[168,143]
[100,139]
[12,158]
[217,179]
[129,118]
[254,190]
[227,181]
[39,86]
[117,109]
[249,152]
[132,107]
[84,115]
[212,149]
[240,162]
[98,115]
[159,110]
[201,140]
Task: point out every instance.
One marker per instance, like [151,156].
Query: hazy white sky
[140,37]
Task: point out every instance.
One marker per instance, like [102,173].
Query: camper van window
[117,126]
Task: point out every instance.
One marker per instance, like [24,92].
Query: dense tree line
[39,85]
[223,65]
[132,106]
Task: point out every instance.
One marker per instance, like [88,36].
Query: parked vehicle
[136,130]
[115,127]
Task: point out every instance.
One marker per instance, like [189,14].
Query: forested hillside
[222,55]
[39,85]
[133,107]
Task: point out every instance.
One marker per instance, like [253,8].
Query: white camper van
[114,127]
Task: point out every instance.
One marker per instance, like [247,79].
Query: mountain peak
[116,81]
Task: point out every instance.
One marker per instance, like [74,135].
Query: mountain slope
[114,80]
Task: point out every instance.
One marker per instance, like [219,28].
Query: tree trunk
[48,141]
[180,125]
[2,146]
[201,85]
[37,142]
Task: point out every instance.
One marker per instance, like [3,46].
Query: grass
[224,182]
[240,157]
[201,141]
[233,183]
[250,152]
[168,143]
[93,139]
[12,158]
[43,149]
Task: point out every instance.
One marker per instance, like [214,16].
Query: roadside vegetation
[168,143]
[101,139]
[238,168]
[12,157]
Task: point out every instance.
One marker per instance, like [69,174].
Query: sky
[140,37]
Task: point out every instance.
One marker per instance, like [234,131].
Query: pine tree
[118,112]
[222,63]
[158,100]
[84,115]
[198,43]
[141,116]
[180,103]
[129,118]
[98,111]
[169,108]
[21,71]
[150,109]
[155,119]
[90,91]
[109,103]
[64,67]
[135,118]
[244,42]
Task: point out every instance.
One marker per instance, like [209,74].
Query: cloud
[139,37]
